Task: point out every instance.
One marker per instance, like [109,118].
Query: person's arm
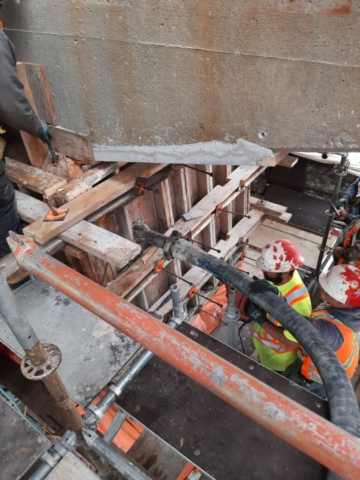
[15,109]
[352,191]
[278,334]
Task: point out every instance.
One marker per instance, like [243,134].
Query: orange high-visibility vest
[297,294]
[350,241]
[348,353]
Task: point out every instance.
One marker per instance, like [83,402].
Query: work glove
[343,201]
[255,313]
[46,134]
[261,286]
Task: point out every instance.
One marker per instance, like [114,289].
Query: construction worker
[275,346]
[15,112]
[347,248]
[338,322]
[351,193]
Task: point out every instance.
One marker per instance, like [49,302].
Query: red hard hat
[280,256]
[342,283]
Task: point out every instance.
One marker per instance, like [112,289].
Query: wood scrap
[64,167]
[289,161]
[268,207]
[86,181]
[33,178]
[35,148]
[75,145]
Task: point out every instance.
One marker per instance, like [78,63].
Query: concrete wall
[280,73]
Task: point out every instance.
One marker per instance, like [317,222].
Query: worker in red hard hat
[275,346]
[337,320]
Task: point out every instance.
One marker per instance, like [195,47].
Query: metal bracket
[174,237]
[341,172]
[140,185]
[39,372]
[329,213]
[325,249]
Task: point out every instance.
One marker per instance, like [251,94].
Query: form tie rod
[198,170]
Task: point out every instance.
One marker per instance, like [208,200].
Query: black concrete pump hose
[344,410]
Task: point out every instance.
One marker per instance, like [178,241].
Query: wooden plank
[283,218]
[73,144]
[35,148]
[80,185]
[288,162]
[246,182]
[243,229]
[309,248]
[220,174]
[125,283]
[242,202]
[91,201]
[273,160]
[218,195]
[33,178]
[181,204]
[158,457]
[164,212]
[71,467]
[205,182]
[292,230]
[101,243]
[268,207]
[36,80]
[242,172]
[84,235]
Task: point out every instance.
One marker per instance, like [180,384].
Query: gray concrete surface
[92,351]
[279,73]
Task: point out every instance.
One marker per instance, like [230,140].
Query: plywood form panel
[266,71]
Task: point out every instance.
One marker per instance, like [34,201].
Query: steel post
[232,316]
[178,309]
[340,171]
[315,436]
[37,358]
[97,412]
[119,460]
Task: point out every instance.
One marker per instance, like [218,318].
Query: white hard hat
[280,256]
[342,283]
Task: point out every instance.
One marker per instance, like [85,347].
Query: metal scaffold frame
[325,442]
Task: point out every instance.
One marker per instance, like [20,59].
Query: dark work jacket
[352,192]
[15,109]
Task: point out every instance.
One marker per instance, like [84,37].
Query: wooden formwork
[104,200]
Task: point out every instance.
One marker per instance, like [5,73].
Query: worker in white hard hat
[275,346]
[337,321]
